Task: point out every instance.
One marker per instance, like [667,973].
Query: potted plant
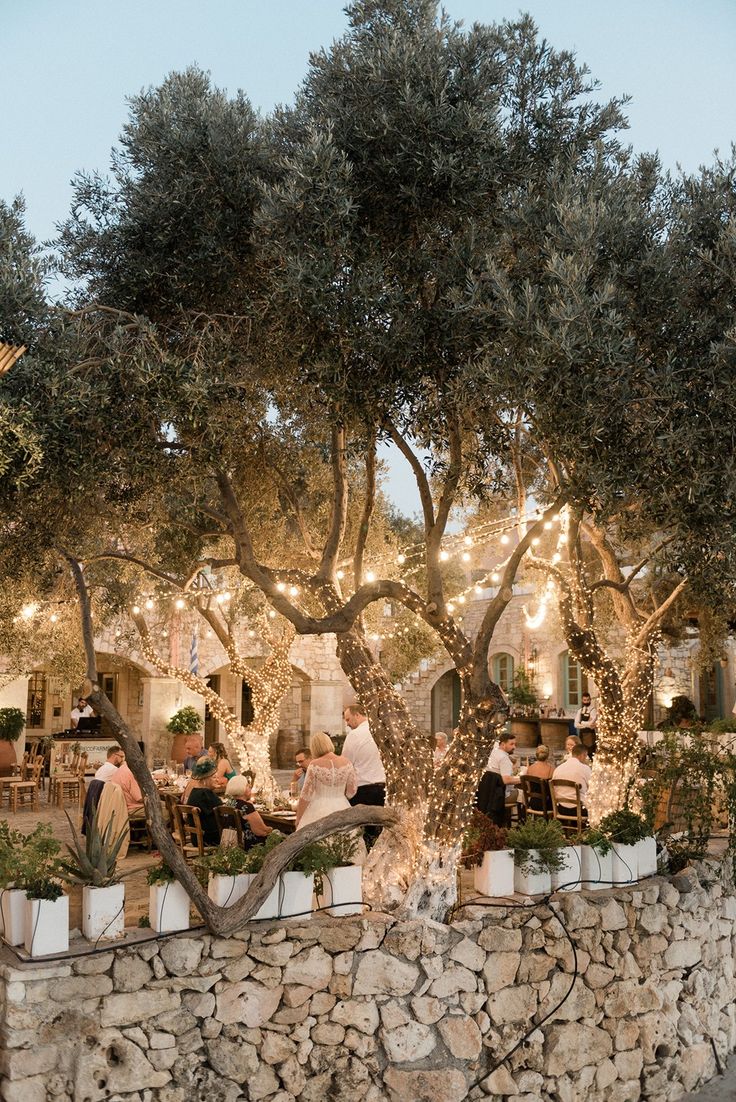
[182,725]
[12,898]
[93,864]
[625,829]
[524,715]
[339,886]
[297,882]
[227,881]
[12,722]
[47,907]
[168,902]
[596,858]
[537,846]
[485,848]
[568,877]
[254,859]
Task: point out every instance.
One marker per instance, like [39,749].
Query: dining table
[285,821]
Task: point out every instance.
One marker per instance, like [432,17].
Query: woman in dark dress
[254,828]
[202,797]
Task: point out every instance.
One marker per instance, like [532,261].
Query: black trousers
[372,795]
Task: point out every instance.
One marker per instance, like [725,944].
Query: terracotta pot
[7,757]
[526,731]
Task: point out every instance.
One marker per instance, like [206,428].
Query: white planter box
[168,907]
[270,907]
[624,864]
[568,878]
[495,876]
[47,926]
[343,891]
[295,895]
[13,905]
[225,891]
[647,857]
[597,868]
[532,883]
[103,912]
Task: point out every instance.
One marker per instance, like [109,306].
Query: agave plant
[94,860]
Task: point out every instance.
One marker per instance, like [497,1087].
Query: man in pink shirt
[132,793]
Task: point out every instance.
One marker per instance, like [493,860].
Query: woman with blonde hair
[330,780]
[542,767]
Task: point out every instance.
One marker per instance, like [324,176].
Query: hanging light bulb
[136,610]
[495,577]
[444,556]
[179,603]
[547,525]
[535,541]
[370,576]
[401,559]
[468,541]
[53,617]
[294,591]
[281,586]
[466,556]
[340,575]
[149,603]
[477,589]
[504,538]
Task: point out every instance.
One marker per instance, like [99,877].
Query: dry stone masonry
[375,1010]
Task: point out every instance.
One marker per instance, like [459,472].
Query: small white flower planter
[568,877]
[647,857]
[103,912]
[495,876]
[343,891]
[225,891]
[270,906]
[47,926]
[168,907]
[532,883]
[624,864]
[295,895]
[13,906]
[597,868]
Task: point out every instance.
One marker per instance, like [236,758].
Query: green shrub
[12,722]
[187,721]
[625,827]
[537,845]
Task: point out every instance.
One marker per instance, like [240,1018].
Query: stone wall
[372,1009]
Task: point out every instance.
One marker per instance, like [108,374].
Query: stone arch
[446,699]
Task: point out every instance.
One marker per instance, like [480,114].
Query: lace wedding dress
[326,789]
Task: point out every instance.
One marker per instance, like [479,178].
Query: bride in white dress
[329,783]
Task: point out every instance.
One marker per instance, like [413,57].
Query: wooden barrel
[554,732]
[526,731]
[288,744]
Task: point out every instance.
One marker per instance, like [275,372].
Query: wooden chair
[572,816]
[228,818]
[189,825]
[27,790]
[172,805]
[72,785]
[536,797]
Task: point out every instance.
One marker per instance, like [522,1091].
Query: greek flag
[194,656]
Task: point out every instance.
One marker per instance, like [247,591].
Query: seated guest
[570,743]
[115,758]
[254,828]
[193,749]
[576,769]
[205,799]
[541,767]
[440,747]
[131,791]
[225,771]
[500,762]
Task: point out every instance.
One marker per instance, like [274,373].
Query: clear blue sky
[67,66]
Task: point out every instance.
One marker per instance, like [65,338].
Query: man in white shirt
[115,758]
[576,769]
[500,762]
[82,711]
[361,750]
